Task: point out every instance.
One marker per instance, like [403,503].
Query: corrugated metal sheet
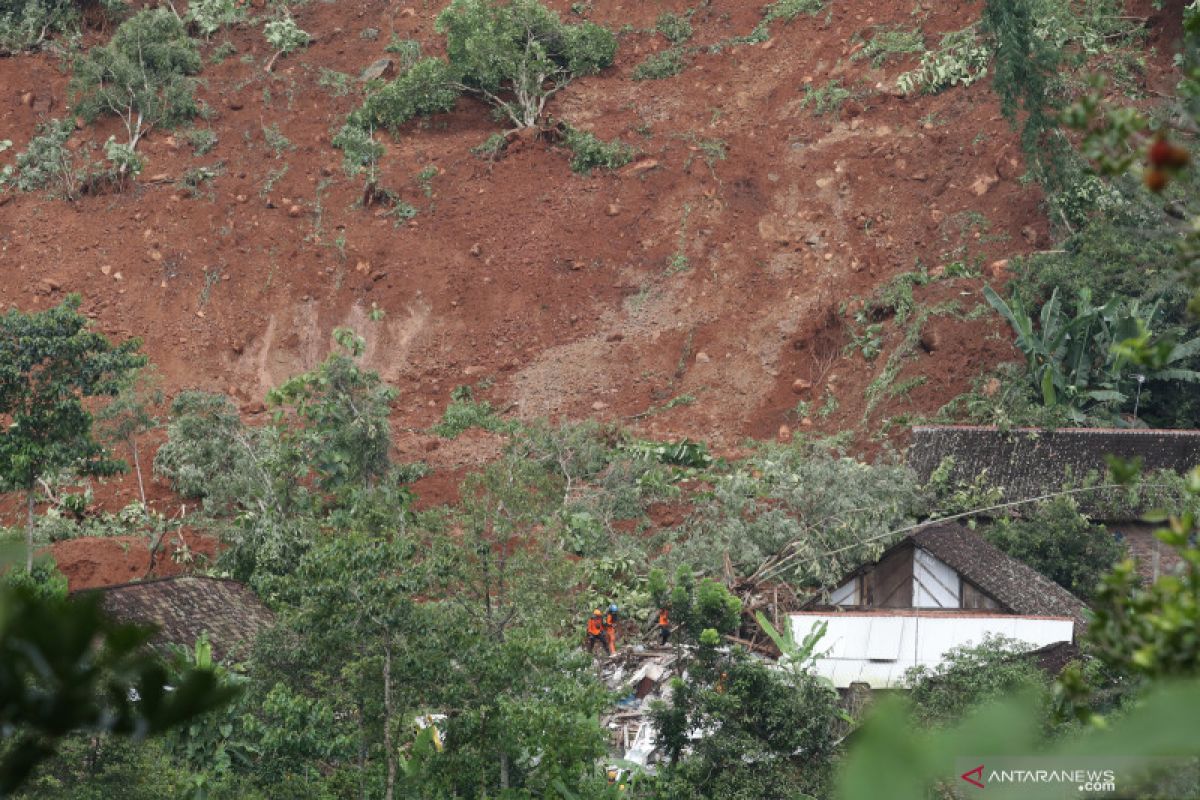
[935,584]
[855,646]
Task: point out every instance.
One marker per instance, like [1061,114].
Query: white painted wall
[935,585]
[876,648]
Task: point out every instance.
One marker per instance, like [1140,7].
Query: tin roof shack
[186,606]
[940,587]
[1029,462]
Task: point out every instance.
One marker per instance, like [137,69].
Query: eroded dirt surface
[726,279]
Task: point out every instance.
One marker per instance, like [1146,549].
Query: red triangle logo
[977,780]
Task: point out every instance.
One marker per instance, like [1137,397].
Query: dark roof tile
[1028,462]
[1020,588]
[184,607]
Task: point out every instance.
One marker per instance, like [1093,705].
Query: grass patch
[201,140]
[464,413]
[658,66]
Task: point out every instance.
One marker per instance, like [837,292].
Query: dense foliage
[1059,542]
[515,56]
[141,76]
[50,362]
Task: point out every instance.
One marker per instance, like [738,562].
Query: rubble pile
[640,675]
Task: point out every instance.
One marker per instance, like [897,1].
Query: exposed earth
[727,279]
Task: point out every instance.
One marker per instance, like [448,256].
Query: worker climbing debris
[610,628]
[596,632]
[664,625]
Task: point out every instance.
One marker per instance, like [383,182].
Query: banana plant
[1079,362]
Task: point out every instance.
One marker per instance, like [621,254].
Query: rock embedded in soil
[382,68]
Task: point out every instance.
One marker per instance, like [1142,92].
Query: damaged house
[943,586]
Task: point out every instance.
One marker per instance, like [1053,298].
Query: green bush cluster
[675,28]
[1060,543]
[141,76]
[589,152]
[665,64]
[514,56]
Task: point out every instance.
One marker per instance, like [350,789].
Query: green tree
[324,459]
[699,607]
[50,362]
[515,56]
[1075,361]
[800,513]
[142,76]
[762,733]
[1059,542]
[338,415]
[1151,631]
[131,414]
[352,607]
[970,676]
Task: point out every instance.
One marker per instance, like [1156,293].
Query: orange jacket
[610,621]
[664,621]
[594,627]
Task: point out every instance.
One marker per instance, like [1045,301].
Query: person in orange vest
[664,625]
[610,628]
[595,631]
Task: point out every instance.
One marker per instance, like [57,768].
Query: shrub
[589,152]
[408,51]
[27,24]
[464,412]
[828,99]
[360,151]
[284,35]
[788,10]
[47,163]
[960,60]
[1059,542]
[514,56]
[675,28]
[970,676]
[888,42]
[209,16]
[666,64]
[142,76]
[202,140]
[425,89]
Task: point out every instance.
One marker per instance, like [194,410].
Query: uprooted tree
[514,56]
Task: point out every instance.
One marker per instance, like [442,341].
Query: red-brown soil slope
[556,288]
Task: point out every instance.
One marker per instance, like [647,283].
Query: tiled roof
[184,607]
[1028,462]
[1019,588]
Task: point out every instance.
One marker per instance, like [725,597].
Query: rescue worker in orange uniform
[595,631]
[664,625]
[610,628]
